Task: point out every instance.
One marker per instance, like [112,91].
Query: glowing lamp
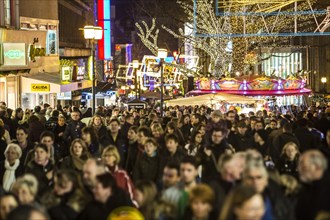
[117,47]
[162,53]
[135,64]
[324,79]
[98,33]
[89,32]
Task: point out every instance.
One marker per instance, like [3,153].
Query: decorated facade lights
[244,85]
[279,85]
[212,84]
[303,83]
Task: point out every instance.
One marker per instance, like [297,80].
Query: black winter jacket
[147,168]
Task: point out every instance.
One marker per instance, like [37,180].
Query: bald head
[91,169]
[312,164]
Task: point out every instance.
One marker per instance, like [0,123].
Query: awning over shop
[51,83]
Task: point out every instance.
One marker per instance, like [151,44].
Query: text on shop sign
[40,87]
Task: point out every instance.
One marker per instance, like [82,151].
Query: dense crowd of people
[191,163]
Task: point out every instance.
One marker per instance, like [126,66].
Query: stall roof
[254,92]
[209,99]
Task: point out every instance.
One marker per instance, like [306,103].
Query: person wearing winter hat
[261,139]
[216,116]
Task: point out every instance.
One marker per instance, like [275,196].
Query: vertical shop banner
[104,21]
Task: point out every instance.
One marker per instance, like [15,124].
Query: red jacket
[123,181]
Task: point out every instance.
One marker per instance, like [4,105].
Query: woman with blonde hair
[111,159]
[288,163]
[11,168]
[78,156]
[26,189]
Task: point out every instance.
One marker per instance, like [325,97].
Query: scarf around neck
[9,175]
[78,162]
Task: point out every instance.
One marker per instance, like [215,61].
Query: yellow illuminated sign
[40,87]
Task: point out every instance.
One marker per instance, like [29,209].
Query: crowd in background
[193,162]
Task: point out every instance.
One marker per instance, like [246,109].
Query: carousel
[275,90]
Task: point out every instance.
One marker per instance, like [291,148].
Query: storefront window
[281,64]
[51,46]
[30,100]
[7,12]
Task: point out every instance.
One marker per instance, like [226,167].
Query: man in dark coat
[306,138]
[114,137]
[242,140]
[209,154]
[35,128]
[172,152]
[129,121]
[52,121]
[227,179]
[73,129]
[314,197]
[107,197]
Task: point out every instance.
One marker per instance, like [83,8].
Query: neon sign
[14,54]
[103,17]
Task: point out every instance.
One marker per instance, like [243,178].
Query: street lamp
[135,67]
[324,81]
[93,33]
[162,54]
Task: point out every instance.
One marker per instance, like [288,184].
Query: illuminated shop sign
[40,87]
[14,54]
[66,73]
[80,73]
[64,96]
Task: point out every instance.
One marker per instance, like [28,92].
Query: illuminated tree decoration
[209,27]
[251,58]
